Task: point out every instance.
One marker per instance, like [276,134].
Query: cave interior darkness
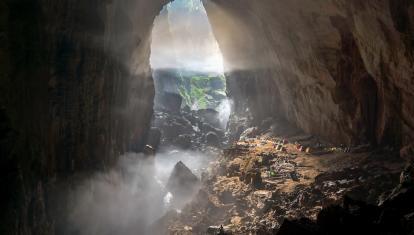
[206,117]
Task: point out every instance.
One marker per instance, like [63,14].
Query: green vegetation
[200,91]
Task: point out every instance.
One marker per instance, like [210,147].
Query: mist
[182,38]
[224,110]
[129,198]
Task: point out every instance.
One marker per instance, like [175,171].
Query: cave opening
[191,106]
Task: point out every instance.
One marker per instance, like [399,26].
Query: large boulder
[183,184]
[212,139]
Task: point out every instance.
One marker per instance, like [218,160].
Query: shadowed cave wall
[76,88]
[76,92]
[338,69]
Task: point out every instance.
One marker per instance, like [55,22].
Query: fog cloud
[129,198]
[182,38]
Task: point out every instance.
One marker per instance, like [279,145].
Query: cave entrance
[191,106]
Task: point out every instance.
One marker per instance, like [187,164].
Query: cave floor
[253,186]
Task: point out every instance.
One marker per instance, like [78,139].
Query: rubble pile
[260,184]
[188,129]
[394,214]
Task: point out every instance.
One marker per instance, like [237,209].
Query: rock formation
[339,69]
[182,184]
[76,92]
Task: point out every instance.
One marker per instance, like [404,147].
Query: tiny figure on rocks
[221,231]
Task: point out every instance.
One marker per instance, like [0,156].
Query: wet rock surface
[188,129]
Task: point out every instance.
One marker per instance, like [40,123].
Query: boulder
[149,151]
[182,181]
[212,139]
[249,133]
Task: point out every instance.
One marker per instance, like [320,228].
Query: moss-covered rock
[199,90]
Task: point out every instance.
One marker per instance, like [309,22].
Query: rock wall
[75,92]
[338,69]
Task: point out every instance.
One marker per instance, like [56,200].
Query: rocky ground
[272,176]
[187,129]
[259,182]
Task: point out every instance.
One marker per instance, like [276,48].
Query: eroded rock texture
[339,69]
[76,91]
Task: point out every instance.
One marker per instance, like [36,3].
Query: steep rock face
[75,92]
[338,69]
